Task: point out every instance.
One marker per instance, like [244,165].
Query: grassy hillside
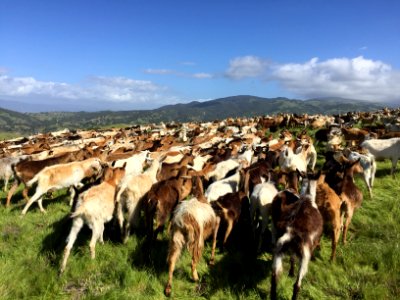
[368,267]
[236,106]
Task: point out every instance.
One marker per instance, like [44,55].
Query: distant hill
[235,106]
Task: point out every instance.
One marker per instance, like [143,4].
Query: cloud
[246,66]
[363,48]
[356,78]
[97,88]
[188,63]
[178,73]
[159,71]
[3,70]
[202,75]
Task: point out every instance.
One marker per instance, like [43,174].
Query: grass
[31,248]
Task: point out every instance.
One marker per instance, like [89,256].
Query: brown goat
[171,170]
[330,205]
[298,223]
[351,194]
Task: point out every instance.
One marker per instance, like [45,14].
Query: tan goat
[95,207]
[61,176]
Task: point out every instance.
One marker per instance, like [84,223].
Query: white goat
[289,161]
[221,169]
[130,192]
[134,164]
[223,186]
[199,161]
[260,205]
[367,162]
[95,207]
[6,171]
[311,153]
[61,176]
[383,149]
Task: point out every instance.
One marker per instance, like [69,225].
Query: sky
[132,54]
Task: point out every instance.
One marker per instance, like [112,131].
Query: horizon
[142,55]
[13,106]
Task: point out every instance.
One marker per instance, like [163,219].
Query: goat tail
[195,239]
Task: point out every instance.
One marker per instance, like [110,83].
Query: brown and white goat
[162,199]
[228,208]
[61,176]
[95,207]
[298,223]
[194,220]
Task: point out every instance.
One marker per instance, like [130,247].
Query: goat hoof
[167,291]
[211,262]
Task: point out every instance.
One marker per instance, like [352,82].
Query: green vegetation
[237,106]
[368,267]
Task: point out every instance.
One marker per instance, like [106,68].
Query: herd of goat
[196,176]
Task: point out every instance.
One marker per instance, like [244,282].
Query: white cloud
[202,75]
[159,71]
[246,66]
[178,73]
[3,70]
[101,89]
[357,78]
[24,86]
[188,63]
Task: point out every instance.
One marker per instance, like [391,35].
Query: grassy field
[31,248]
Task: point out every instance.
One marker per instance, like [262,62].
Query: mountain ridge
[217,109]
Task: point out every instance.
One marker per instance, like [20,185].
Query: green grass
[31,249]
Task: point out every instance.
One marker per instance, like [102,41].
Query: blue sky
[90,55]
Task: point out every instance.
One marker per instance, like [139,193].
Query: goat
[94,207]
[260,205]
[171,170]
[221,169]
[311,154]
[355,134]
[228,208]
[193,221]
[290,161]
[25,170]
[61,176]
[368,164]
[133,164]
[129,195]
[383,149]
[6,171]
[330,205]
[299,227]
[351,194]
[224,186]
[162,198]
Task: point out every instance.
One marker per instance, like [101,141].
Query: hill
[235,106]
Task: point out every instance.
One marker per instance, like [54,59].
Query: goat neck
[153,169]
